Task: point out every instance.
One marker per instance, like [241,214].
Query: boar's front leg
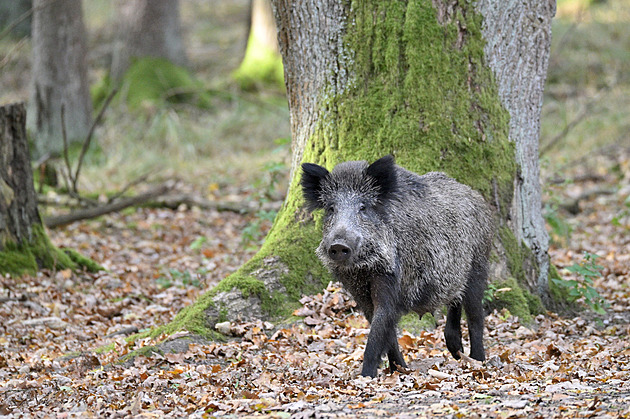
[382,337]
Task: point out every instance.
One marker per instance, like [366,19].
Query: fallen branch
[94,212]
[573,206]
[174,201]
[158,198]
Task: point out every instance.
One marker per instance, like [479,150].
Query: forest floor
[63,334]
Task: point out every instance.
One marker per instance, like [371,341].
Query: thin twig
[64,136]
[581,116]
[14,50]
[83,200]
[88,139]
[614,147]
[568,127]
[23,17]
[174,201]
[125,188]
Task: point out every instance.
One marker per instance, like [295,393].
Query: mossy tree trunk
[59,76]
[149,28]
[18,201]
[24,245]
[438,85]
[262,63]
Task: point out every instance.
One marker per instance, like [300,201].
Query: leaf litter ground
[63,335]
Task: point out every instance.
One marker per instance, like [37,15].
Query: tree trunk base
[40,253]
[24,244]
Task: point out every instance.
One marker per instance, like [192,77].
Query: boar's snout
[339,252]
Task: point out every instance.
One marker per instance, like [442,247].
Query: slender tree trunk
[149,28]
[428,82]
[59,75]
[263,25]
[262,62]
[24,245]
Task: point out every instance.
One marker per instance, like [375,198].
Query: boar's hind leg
[453,330]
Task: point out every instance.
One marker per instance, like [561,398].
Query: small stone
[224,327]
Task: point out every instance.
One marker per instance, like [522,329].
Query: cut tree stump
[18,201]
[24,244]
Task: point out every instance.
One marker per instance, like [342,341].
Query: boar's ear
[383,171]
[312,176]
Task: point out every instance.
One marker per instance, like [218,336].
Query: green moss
[105,348]
[514,253]
[146,351]
[16,260]
[417,95]
[414,324]
[261,65]
[39,253]
[510,295]
[192,318]
[82,261]
[533,302]
[519,255]
[100,90]
[156,81]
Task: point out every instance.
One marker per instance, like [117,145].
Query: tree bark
[18,201]
[59,76]
[24,245]
[149,28]
[519,64]
[425,81]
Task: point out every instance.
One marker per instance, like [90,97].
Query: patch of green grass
[226,145]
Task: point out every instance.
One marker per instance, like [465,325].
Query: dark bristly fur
[400,242]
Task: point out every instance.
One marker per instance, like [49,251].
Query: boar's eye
[330,209]
[362,206]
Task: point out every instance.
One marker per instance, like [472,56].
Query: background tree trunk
[24,245]
[149,28]
[59,76]
[413,79]
[262,62]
